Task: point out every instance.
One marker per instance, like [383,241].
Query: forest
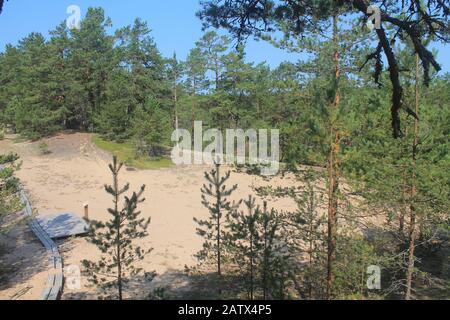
[365,136]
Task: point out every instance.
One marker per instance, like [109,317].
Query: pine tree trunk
[266,253]
[175,101]
[118,237]
[311,248]
[194,102]
[401,219]
[412,227]
[333,167]
[216,66]
[265,266]
[401,224]
[219,267]
[251,266]
[218,208]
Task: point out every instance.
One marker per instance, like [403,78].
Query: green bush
[44,149]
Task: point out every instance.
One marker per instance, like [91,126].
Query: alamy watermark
[374,20]
[251,147]
[74,20]
[374,279]
[72,276]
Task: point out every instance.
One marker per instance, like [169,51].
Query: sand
[75,173]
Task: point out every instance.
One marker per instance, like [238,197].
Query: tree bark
[333,168]
[311,243]
[216,67]
[175,102]
[251,265]
[194,103]
[118,237]
[413,217]
[219,216]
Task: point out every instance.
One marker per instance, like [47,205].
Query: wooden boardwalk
[55,280]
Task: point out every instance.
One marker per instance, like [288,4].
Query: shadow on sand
[21,256]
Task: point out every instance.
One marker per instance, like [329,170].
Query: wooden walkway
[55,280]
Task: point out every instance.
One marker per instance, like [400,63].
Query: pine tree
[60,79]
[243,236]
[91,61]
[115,119]
[255,247]
[139,54]
[271,242]
[413,214]
[245,18]
[215,197]
[213,48]
[330,59]
[333,165]
[195,78]
[116,240]
[138,77]
[31,107]
[385,171]
[151,129]
[175,73]
[306,229]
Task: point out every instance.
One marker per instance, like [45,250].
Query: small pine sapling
[116,240]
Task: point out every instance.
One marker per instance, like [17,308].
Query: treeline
[120,85]
[85,80]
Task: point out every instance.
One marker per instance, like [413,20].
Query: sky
[174,25]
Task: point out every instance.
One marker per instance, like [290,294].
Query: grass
[125,153]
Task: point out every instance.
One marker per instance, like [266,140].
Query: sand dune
[74,174]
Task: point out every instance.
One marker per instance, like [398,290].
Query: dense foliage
[9,188]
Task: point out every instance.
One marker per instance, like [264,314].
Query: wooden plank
[48,288]
[63,225]
[57,287]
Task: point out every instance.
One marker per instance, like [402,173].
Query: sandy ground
[75,173]
[26,267]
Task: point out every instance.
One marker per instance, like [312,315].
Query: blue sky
[174,24]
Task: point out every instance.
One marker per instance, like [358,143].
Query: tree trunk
[216,66]
[218,208]
[175,102]
[404,205]
[311,245]
[251,266]
[116,209]
[266,253]
[412,227]
[333,167]
[194,102]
